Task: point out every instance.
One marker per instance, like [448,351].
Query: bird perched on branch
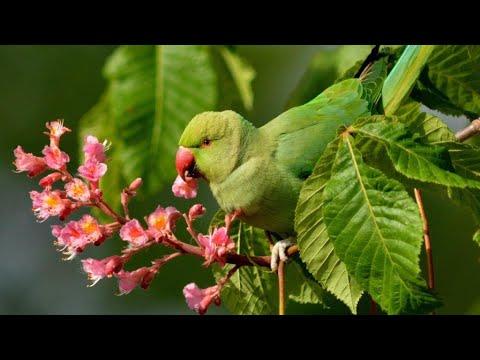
[257,173]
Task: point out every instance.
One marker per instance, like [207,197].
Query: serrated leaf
[154,91]
[373,82]
[455,71]
[429,164]
[377,232]
[465,159]
[316,248]
[428,128]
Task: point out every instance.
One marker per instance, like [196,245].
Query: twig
[470,131]
[426,237]
[281,287]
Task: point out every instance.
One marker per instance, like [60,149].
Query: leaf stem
[426,237]
[281,288]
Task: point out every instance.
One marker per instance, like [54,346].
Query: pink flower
[93,149]
[48,203]
[200,299]
[186,189]
[196,211]
[77,190]
[162,220]
[98,269]
[34,165]
[54,157]
[127,281]
[92,170]
[56,130]
[76,235]
[133,232]
[216,246]
[50,179]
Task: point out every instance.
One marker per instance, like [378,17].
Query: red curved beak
[185,163]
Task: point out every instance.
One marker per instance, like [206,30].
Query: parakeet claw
[279,253]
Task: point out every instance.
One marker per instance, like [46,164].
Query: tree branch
[472,130]
[281,287]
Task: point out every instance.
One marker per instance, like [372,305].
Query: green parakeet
[259,171]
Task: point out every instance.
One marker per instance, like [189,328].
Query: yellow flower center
[159,222]
[89,227]
[51,201]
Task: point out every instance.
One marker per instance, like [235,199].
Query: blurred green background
[42,83]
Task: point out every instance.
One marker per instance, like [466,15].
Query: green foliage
[153,91]
[254,289]
[429,164]
[376,230]
[316,248]
[454,75]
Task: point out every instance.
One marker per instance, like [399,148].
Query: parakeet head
[212,145]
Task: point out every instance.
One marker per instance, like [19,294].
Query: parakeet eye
[206,142]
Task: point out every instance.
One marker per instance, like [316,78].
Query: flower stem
[281,288]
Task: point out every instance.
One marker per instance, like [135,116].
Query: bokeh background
[42,83]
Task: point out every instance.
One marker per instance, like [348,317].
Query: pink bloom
[216,246]
[93,149]
[98,269]
[196,211]
[48,203]
[34,165]
[54,157]
[127,281]
[133,232]
[92,170]
[76,235]
[77,190]
[50,179]
[186,189]
[56,130]
[200,299]
[162,220]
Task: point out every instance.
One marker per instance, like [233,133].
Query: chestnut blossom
[56,131]
[48,203]
[162,220]
[28,162]
[200,299]
[134,233]
[186,189]
[99,269]
[196,211]
[77,190]
[76,235]
[54,157]
[92,170]
[50,179]
[129,280]
[93,149]
[216,246]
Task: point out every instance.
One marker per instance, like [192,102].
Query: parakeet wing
[303,132]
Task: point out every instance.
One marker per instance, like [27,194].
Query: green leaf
[476,237]
[465,160]
[373,82]
[316,248]
[242,75]
[325,67]
[154,91]
[98,122]
[455,71]
[403,76]
[377,232]
[428,128]
[429,164]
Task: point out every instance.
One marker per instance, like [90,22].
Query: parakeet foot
[279,252]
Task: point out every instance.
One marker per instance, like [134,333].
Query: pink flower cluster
[75,236]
